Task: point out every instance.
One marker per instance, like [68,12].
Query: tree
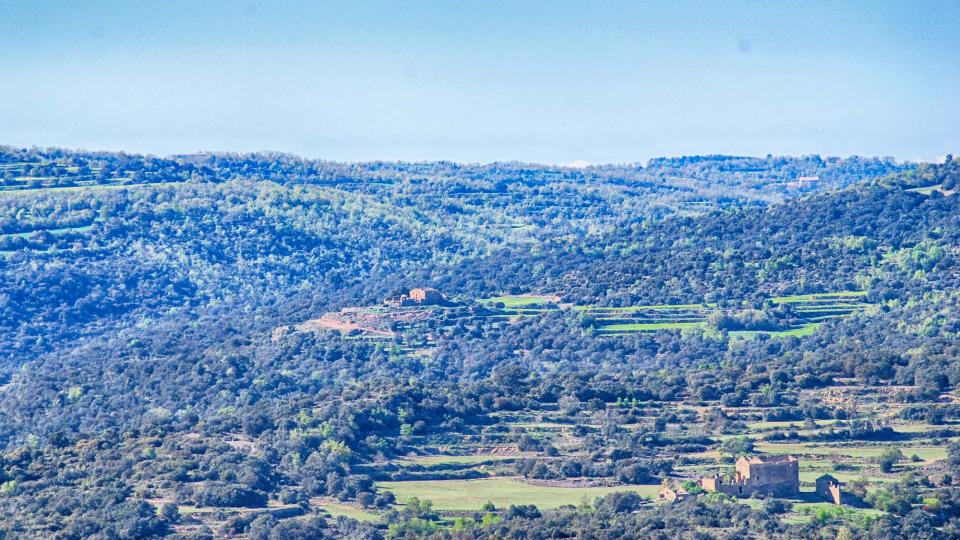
[888,458]
[953,459]
[737,446]
[366,499]
[169,512]
[523,511]
[620,502]
[692,487]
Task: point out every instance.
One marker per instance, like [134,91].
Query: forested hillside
[607,329]
[89,240]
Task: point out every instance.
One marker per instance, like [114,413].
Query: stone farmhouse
[669,492]
[419,296]
[777,476]
[763,475]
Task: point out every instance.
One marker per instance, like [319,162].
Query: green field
[807,298]
[800,331]
[811,476]
[472,494]
[927,453]
[811,310]
[794,424]
[655,307]
[820,308]
[516,301]
[646,327]
[186,509]
[805,512]
[346,510]
[915,427]
[455,460]
[543,426]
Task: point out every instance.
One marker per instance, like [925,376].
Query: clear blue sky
[555,82]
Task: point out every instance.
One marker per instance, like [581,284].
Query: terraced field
[502,492]
[522,300]
[926,453]
[457,460]
[811,311]
[34,235]
[484,468]
[19,178]
[79,186]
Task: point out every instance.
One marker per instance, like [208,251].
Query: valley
[258,344]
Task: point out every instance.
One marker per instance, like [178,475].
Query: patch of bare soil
[243,445]
[368,321]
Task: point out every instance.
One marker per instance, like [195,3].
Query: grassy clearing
[842,306]
[926,453]
[805,512]
[648,327]
[812,309]
[657,307]
[516,301]
[346,510]
[472,494]
[928,190]
[916,427]
[455,460]
[544,426]
[811,476]
[761,426]
[800,331]
[187,509]
[815,464]
[807,298]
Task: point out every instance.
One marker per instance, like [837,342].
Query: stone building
[828,487]
[669,492]
[426,296]
[420,296]
[763,475]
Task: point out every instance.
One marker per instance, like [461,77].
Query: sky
[550,82]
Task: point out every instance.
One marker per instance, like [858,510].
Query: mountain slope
[181,395]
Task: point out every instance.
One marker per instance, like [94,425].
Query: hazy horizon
[569,165]
[568,83]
